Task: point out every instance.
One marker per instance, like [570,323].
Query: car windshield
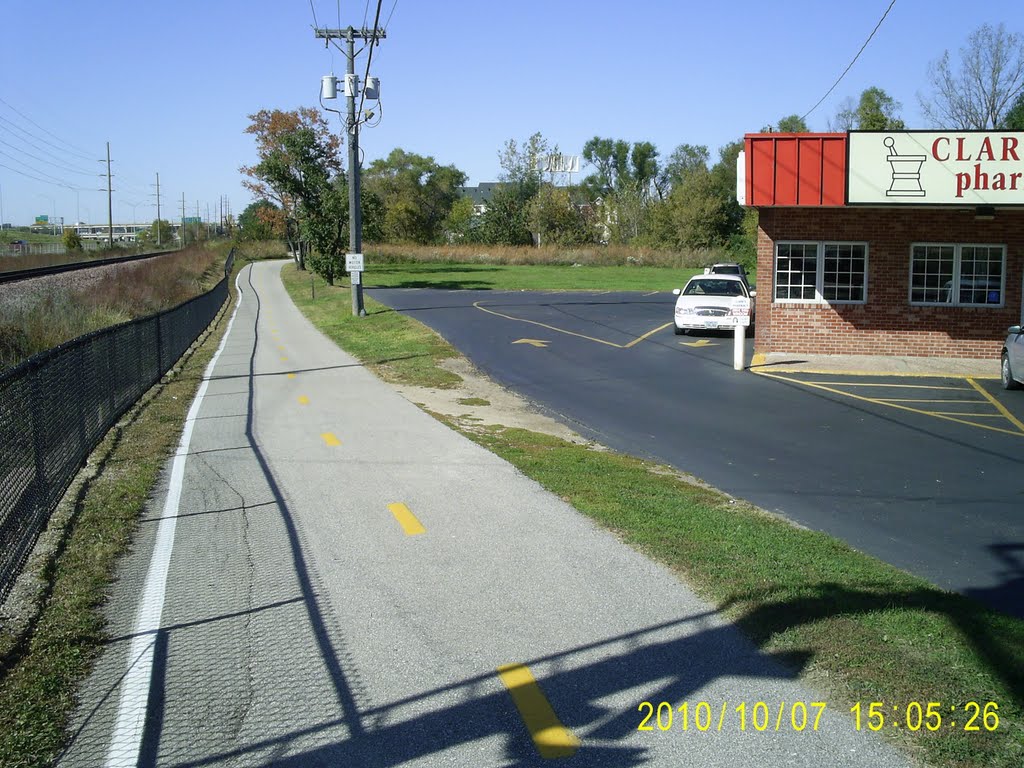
[713,288]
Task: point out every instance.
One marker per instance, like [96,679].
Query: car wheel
[1006,374]
[680,331]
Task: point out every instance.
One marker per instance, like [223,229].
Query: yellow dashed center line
[330,438]
[303,400]
[550,737]
[409,522]
[284,359]
[291,375]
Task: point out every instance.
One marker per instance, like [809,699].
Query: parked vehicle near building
[711,301]
[1011,364]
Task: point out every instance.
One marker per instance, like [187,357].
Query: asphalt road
[940,496]
[331,577]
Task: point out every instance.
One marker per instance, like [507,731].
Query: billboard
[559,164]
[44,219]
[935,168]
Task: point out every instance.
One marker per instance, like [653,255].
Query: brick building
[887,243]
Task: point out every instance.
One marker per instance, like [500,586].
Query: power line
[45,181]
[369,58]
[854,60]
[48,146]
[389,15]
[44,160]
[84,153]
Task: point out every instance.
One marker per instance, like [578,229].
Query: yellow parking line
[556,329]
[999,406]
[409,522]
[291,375]
[894,386]
[330,439]
[284,359]
[876,401]
[303,400]
[550,737]
[913,400]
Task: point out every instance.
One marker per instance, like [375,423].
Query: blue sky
[170,85]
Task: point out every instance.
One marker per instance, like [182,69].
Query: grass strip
[857,628]
[40,672]
[540,277]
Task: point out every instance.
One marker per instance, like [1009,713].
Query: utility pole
[355,217]
[110,203]
[158,209]
[182,219]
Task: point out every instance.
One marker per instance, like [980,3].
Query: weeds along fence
[56,406]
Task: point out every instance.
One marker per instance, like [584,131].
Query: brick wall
[887,324]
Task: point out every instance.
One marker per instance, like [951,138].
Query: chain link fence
[56,407]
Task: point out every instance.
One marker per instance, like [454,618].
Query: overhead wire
[386,23]
[369,59]
[84,154]
[850,65]
[44,160]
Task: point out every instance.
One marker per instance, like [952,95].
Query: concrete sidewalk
[348,576]
[876,365]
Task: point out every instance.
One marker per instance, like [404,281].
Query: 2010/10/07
[701,716]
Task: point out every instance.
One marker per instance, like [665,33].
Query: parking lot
[923,472]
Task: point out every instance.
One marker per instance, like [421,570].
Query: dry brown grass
[45,312]
[597,255]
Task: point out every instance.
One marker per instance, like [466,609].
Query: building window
[961,275]
[836,273]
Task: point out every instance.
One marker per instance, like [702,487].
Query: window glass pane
[981,274]
[844,273]
[931,279]
[796,266]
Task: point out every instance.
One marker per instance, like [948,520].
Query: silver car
[1011,370]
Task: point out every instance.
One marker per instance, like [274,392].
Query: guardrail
[56,406]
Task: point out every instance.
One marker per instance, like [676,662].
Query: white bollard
[739,337]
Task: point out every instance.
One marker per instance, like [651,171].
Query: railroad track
[15,275]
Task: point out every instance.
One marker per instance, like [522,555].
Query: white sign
[936,168]
[355,277]
[559,164]
[353,262]
[739,312]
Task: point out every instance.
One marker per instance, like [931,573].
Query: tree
[1014,119]
[297,155]
[507,220]
[978,94]
[417,193]
[787,124]
[555,220]
[148,237]
[684,160]
[72,240]
[874,111]
[261,220]
[459,223]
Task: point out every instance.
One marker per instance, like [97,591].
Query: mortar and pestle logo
[906,172]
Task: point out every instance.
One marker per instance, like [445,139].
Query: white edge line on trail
[126,741]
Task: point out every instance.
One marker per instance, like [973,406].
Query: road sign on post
[353,262]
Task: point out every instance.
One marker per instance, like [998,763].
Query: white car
[1011,369]
[711,302]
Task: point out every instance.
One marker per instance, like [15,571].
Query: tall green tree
[684,160]
[298,155]
[555,220]
[507,218]
[417,193]
[1014,118]
[149,237]
[875,110]
[787,124]
[261,220]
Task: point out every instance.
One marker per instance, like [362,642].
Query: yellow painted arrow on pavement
[699,343]
[533,342]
